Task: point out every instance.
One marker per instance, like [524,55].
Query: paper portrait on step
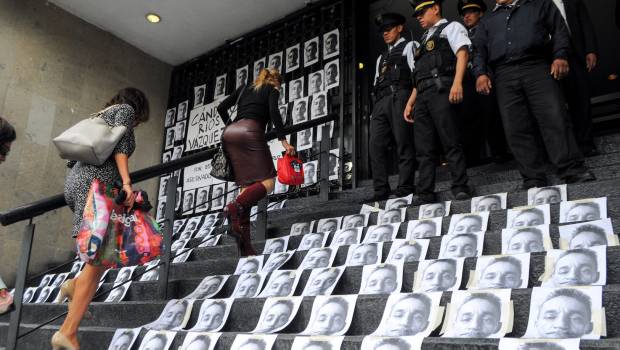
[76,268]
[118,293]
[331,315]
[46,280]
[439,275]
[249,264]
[493,307]
[59,280]
[276,245]
[275,61]
[44,294]
[178,245]
[310,173]
[248,285]
[468,223]
[364,254]
[186,235]
[199,95]
[282,283]
[528,216]
[178,226]
[300,111]
[381,233]
[200,341]
[188,202]
[397,203]
[347,236]
[426,228]
[583,210]
[300,228]
[313,240]
[332,74]
[391,216]
[371,342]
[434,210]
[166,157]
[293,58]
[253,341]
[163,186]
[124,274]
[304,139]
[318,258]
[355,220]
[213,315]
[323,281]
[569,312]
[318,107]
[276,261]
[258,66]
[210,241]
[160,340]
[220,87]
[182,255]
[381,279]
[161,210]
[410,314]
[331,44]
[316,82]
[329,225]
[406,251]
[182,110]
[538,344]
[587,234]
[193,223]
[179,131]
[169,141]
[277,313]
[296,90]
[547,195]
[368,209]
[317,343]
[489,202]
[209,223]
[531,239]
[576,267]
[466,245]
[241,77]
[177,152]
[170,117]
[334,164]
[311,51]
[124,338]
[151,271]
[501,272]
[208,287]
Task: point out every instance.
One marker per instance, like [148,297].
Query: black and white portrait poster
[44,294]
[277,313]
[179,131]
[381,233]
[220,87]
[292,58]
[277,260]
[319,105]
[547,195]
[313,240]
[161,209]
[528,216]
[208,287]
[316,82]
[163,186]
[468,223]
[205,126]
[258,66]
[275,61]
[76,268]
[331,44]
[209,241]
[182,110]
[304,139]
[583,210]
[202,199]
[334,164]
[124,338]
[213,315]
[426,228]
[587,234]
[283,113]
[253,341]
[248,285]
[160,340]
[317,343]
[200,341]
[188,202]
[434,210]
[331,315]
[372,342]
[199,95]
[577,267]
[329,225]
[364,254]
[530,239]
[355,220]
[151,271]
[577,309]
[169,141]
[391,216]
[166,157]
[381,279]
[118,293]
[492,306]
[409,314]
[397,203]
[249,264]
[332,74]
[124,274]
[323,281]
[311,51]
[296,89]
[310,173]
[282,283]
[489,202]
[282,100]
[170,117]
[501,272]
[317,258]
[439,275]
[406,251]
[177,152]
[275,245]
[347,236]
[218,196]
[538,344]
[300,228]
[466,245]
[241,76]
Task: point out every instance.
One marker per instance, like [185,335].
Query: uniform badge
[430,45]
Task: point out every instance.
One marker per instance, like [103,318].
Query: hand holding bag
[290,170]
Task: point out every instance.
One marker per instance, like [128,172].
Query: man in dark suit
[582,60]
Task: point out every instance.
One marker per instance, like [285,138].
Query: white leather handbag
[90,141]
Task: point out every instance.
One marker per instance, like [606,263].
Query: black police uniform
[513,41]
[391,91]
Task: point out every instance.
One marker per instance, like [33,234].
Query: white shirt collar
[390,47]
[432,29]
[514,3]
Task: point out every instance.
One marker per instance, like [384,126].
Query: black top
[531,29]
[261,105]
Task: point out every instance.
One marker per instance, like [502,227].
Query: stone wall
[55,69]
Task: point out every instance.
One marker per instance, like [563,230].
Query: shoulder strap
[237,101]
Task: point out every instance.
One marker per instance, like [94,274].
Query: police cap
[421,5]
[389,20]
[471,4]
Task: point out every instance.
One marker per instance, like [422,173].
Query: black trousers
[577,92]
[387,123]
[434,116]
[530,98]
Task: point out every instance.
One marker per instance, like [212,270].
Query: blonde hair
[269,76]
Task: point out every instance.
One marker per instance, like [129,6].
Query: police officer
[482,122]
[440,66]
[514,41]
[391,90]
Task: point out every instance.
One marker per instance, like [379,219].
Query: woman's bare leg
[269,184]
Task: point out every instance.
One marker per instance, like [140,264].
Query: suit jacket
[583,37]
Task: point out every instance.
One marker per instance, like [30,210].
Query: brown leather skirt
[247,149]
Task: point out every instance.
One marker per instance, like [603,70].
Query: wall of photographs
[311,51]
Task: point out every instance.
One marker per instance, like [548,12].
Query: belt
[388,91]
[429,83]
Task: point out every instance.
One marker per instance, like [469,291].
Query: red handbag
[290,170]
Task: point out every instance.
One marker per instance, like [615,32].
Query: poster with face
[253,342]
[311,52]
[118,293]
[313,240]
[334,164]
[300,228]
[329,225]
[157,340]
[570,312]
[169,142]
[241,77]
[355,220]
[528,216]
[249,264]
[177,153]
[248,285]
[186,236]
[124,338]
[319,130]
[258,66]
[381,233]
[465,245]
[502,272]
[181,256]
[188,202]
[332,74]
[202,199]
[468,223]
[275,61]
[276,245]
[319,105]
[364,254]
[282,283]
[323,281]
[292,58]
[331,46]
[587,234]
[208,287]
[318,258]
[304,139]
[179,131]
[283,113]
[317,343]
[331,315]
[200,341]
[397,203]
[233,192]
[44,294]
[210,241]
[199,95]
[296,89]
[439,275]
[276,261]
[182,110]
[163,186]
[538,344]
[277,313]
[526,240]
[489,202]
[161,209]
[433,210]
[426,228]
[391,216]
[218,197]
[46,280]
[576,267]
[166,157]
[409,314]
[406,251]
[381,279]
[583,210]
[178,226]
[310,173]
[76,268]
[58,281]
[124,274]
[170,117]
[347,236]
[491,307]
[300,110]
[178,245]
[220,87]
[151,271]
[316,82]
[547,195]
[213,315]
[193,223]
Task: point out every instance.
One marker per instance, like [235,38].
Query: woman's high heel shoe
[60,342]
